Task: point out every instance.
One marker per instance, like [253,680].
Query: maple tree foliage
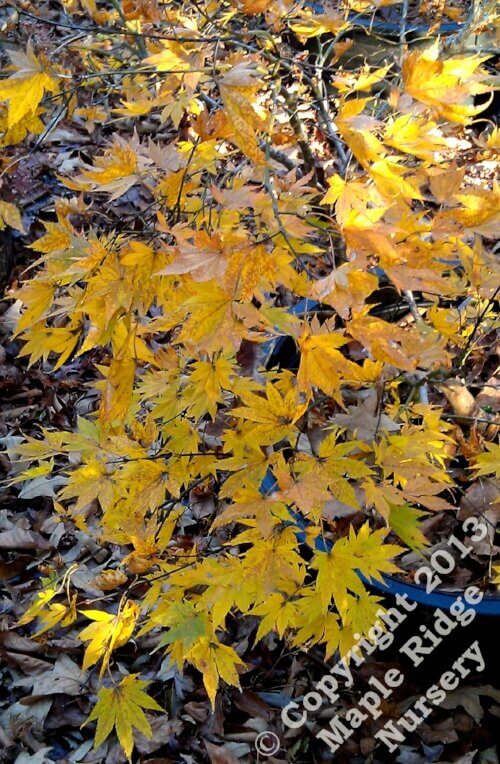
[259,181]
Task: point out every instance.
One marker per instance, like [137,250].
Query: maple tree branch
[319,89]
[279,156]
[413,306]
[301,134]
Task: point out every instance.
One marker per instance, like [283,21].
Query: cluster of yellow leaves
[445,86]
[24,90]
[183,309]
[50,614]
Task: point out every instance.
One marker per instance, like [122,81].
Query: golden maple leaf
[338,570]
[216,662]
[26,87]
[322,365]
[239,88]
[122,707]
[107,633]
[445,85]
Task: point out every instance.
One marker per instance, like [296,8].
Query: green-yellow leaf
[405,522]
[488,462]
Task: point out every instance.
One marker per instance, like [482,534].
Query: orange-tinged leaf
[252,7]
[322,365]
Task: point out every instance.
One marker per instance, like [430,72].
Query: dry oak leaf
[108,580]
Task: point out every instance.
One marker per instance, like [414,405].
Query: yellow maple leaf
[43,340]
[488,463]
[394,181]
[249,502]
[10,216]
[322,365]
[18,132]
[479,211]
[213,323]
[415,135]
[361,612]
[357,196]
[41,601]
[48,612]
[346,289]
[315,624]
[117,390]
[357,129]
[307,24]
[174,57]
[90,481]
[270,563]
[405,522]
[57,238]
[206,383]
[338,570]
[122,707]
[404,349]
[362,6]
[243,119]
[279,612]
[26,87]
[215,662]
[37,297]
[117,170]
[363,80]
[275,416]
[107,633]
[445,86]
[57,612]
